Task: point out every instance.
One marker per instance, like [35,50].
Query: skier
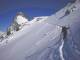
[64,31]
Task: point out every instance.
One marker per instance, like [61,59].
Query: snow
[68,20]
[38,19]
[41,40]
[61,50]
[20,19]
[28,43]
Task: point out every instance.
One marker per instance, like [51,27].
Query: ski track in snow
[60,50]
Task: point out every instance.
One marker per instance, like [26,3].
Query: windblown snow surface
[43,40]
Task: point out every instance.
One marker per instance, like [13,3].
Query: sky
[31,8]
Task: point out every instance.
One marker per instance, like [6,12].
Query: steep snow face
[71,47]
[61,16]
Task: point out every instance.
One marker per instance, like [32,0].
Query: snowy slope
[28,44]
[43,41]
[71,46]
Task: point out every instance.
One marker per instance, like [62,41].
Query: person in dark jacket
[64,31]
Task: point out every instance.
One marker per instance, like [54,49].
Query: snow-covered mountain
[47,40]
[19,21]
[21,18]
